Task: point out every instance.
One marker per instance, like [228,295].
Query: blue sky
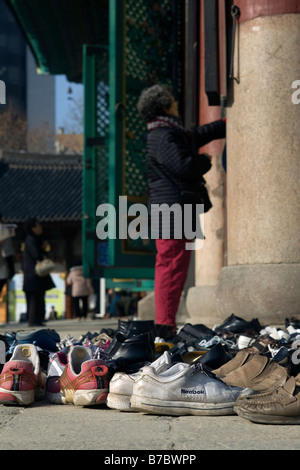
[64,106]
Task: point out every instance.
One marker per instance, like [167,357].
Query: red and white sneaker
[84,381]
[22,380]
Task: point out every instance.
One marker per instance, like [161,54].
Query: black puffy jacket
[33,252]
[175,168]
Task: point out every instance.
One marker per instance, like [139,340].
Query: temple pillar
[262,275]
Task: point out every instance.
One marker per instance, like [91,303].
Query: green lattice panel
[149,59]
[142,49]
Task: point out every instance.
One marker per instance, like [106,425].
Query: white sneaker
[183,389]
[121,384]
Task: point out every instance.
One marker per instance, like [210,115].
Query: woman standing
[81,289]
[175,177]
[35,286]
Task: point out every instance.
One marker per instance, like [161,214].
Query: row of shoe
[252,386]
[192,371]
[137,342]
[218,371]
[77,378]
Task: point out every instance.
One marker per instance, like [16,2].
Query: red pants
[171,267]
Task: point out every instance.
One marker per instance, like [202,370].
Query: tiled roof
[48,187]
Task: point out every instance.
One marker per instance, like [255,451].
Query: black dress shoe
[135,327]
[293,321]
[236,324]
[135,350]
[165,331]
[216,356]
[191,334]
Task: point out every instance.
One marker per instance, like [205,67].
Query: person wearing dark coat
[34,286]
[175,178]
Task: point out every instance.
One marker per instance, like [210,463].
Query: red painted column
[251,9]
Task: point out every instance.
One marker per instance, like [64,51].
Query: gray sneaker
[183,389]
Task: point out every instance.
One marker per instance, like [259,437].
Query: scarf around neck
[166,121]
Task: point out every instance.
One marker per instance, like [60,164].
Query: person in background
[53,313]
[175,172]
[34,286]
[82,288]
[7,267]
[113,308]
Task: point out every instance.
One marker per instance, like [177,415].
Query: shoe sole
[267,419]
[8,397]
[119,402]
[179,408]
[56,398]
[85,397]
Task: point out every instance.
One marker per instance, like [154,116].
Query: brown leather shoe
[240,359]
[259,373]
[282,406]
[255,396]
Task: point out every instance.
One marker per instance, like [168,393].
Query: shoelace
[199,367]
[99,353]
[68,340]
[215,340]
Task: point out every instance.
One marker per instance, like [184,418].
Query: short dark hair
[154,101]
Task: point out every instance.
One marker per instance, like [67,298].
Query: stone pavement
[46,426]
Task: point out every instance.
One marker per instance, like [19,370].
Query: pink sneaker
[84,381]
[22,380]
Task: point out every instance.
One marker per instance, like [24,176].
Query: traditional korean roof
[48,187]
